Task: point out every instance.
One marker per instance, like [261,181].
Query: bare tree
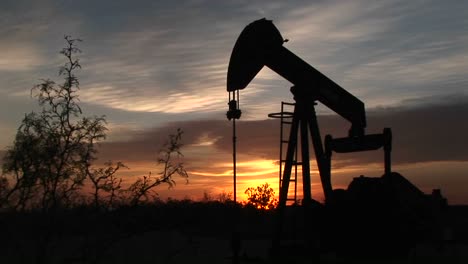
[168,158]
[105,180]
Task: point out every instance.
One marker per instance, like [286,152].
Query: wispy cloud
[162,62]
[19,57]
[438,123]
[336,21]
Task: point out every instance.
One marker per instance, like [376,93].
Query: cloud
[172,58]
[335,21]
[432,131]
[210,100]
[19,57]
[145,144]
[381,51]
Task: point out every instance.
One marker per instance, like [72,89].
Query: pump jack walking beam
[261,44]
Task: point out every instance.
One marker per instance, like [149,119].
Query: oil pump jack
[261,44]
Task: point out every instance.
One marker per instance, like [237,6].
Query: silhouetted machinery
[261,44]
[391,201]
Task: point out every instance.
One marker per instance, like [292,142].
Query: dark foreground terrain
[202,232]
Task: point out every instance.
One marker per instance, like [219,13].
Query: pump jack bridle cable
[234,140]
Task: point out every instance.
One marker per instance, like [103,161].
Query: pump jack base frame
[304,121]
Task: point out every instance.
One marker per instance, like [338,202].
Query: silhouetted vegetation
[51,159]
[53,149]
[261,197]
[158,230]
[222,197]
[105,180]
[177,231]
[142,188]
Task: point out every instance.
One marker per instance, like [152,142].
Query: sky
[154,66]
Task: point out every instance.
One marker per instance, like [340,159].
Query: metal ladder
[286,120]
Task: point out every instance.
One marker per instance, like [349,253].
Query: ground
[181,232]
